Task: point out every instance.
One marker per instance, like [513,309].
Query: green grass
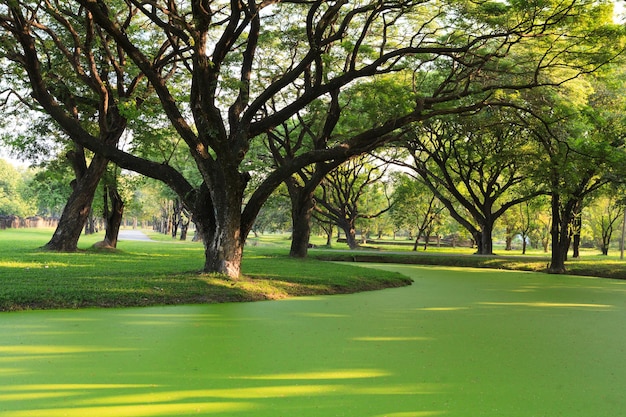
[590,263]
[167,271]
[158,273]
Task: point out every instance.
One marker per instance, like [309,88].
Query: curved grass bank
[457,343]
[591,265]
[156,273]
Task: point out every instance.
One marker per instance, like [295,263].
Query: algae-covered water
[461,343]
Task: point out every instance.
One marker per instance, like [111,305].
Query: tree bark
[350,232]
[218,220]
[576,229]
[509,239]
[486,239]
[184,224]
[416,242]
[76,211]
[560,239]
[113,216]
[302,203]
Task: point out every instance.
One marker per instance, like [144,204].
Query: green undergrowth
[159,273]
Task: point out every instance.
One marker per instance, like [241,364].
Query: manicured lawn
[457,343]
[149,273]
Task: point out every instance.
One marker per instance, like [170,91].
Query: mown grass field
[590,263]
[167,271]
[162,272]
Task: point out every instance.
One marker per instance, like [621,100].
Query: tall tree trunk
[350,232]
[184,224]
[218,220]
[486,239]
[509,239]
[113,215]
[576,229]
[76,211]
[302,203]
[477,235]
[559,237]
[417,241]
[177,209]
[90,225]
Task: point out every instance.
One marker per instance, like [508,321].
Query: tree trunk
[416,242]
[560,240]
[576,229]
[487,239]
[184,225]
[351,238]
[177,209]
[90,225]
[302,203]
[576,246]
[350,232]
[76,211]
[218,220]
[113,216]
[509,241]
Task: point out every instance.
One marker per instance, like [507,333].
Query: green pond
[458,342]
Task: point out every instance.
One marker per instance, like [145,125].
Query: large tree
[344,193]
[415,207]
[583,140]
[225,56]
[60,63]
[478,166]
[324,123]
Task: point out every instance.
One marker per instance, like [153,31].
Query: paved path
[126,234]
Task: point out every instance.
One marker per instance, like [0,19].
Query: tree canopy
[226,73]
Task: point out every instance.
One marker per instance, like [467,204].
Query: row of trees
[191,94]
[371,206]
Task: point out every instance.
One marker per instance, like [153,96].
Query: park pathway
[458,343]
[133,234]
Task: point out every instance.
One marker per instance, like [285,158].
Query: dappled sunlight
[143,410]
[331,374]
[29,396]
[25,358]
[546,304]
[404,389]
[97,401]
[449,346]
[39,265]
[21,350]
[391,338]
[72,387]
[283,391]
[13,371]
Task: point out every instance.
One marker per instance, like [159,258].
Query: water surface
[457,342]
